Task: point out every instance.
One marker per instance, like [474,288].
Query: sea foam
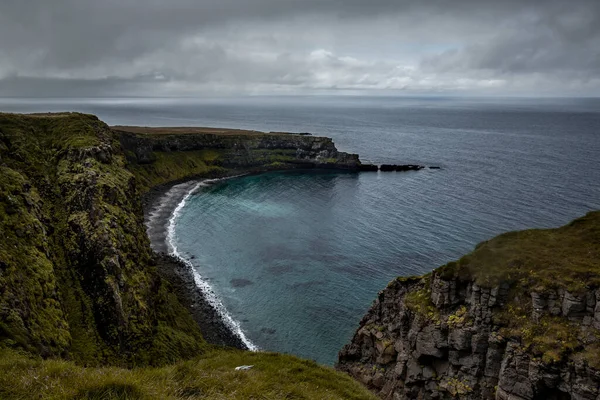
[201,283]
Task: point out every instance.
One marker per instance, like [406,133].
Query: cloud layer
[205,47]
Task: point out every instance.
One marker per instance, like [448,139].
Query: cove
[298,257]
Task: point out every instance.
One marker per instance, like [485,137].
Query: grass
[551,338]
[274,376]
[535,260]
[76,278]
[185,131]
[538,259]
[173,166]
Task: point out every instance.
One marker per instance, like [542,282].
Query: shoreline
[217,325]
[213,328]
[159,205]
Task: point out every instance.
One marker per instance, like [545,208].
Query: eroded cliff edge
[518,318]
[162,155]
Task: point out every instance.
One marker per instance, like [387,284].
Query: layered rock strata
[528,331]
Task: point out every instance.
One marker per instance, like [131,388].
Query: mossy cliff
[78,280]
[518,318]
[76,270]
[162,155]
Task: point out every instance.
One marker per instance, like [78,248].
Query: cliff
[79,282]
[160,155]
[518,318]
[77,277]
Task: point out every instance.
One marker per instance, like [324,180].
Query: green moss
[30,312]
[459,318]
[552,339]
[173,166]
[538,258]
[456,387]
[591,355]
[75,263]
[419,301]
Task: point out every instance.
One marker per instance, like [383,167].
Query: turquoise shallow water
[297,258]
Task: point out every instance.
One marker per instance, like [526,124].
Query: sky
[195,48]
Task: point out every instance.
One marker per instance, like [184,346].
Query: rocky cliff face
[158,157]
[77,276]
[243,150]
[518,318]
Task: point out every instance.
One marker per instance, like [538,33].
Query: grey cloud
[175,47]
[565,42]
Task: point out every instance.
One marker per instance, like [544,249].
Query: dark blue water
[297,258]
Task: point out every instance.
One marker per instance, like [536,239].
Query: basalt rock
[242,150]
[485,328]
[401,168]
[369,167]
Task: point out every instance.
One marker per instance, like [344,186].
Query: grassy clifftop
[538,259]
[518,317]
[80,294]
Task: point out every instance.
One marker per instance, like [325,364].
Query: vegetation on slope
[165,155]
[76,268]
[538,259]
[212,376]
[174,166]
[542,262]
[80,297]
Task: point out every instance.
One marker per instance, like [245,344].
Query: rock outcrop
[400,168]
[77,278]
[517,319]
[162,155]
[244,150]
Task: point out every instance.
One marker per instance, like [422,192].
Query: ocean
[295,259]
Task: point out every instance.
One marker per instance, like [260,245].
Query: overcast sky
[237,47]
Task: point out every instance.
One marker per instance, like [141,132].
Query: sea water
[295,259]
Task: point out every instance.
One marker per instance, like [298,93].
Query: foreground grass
[274,376]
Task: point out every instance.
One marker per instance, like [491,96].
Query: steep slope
[76,268]
[82,296]
[518,318]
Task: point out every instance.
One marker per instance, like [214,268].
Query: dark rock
[243,151]
[214,330]
[368,168]
[400,168]
[458,352]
